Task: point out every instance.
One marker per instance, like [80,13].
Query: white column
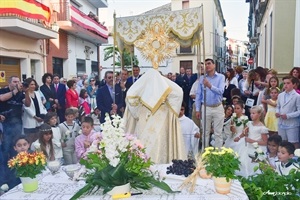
[39,71]
[25,67]
[297,36]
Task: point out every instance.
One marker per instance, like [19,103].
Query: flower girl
[271,121]
[227,123]
[51,119]
[255,132]
[44,143]
[238,122]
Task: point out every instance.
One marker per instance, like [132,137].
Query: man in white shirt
[193,91]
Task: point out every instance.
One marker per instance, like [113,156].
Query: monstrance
[156,45]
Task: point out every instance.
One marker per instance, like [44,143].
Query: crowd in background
[50,117]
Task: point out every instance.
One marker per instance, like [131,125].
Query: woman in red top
[71,95]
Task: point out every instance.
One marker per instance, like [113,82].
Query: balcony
[27,19]
[98,3]
[77,23]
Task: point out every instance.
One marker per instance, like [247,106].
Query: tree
[125,59]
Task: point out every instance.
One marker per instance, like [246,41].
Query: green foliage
[104,176]
[125,59]
[243,120]
[221,162]
[269,185]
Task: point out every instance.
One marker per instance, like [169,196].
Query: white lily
[37,145]
[4,187]
[297,152]
[255,144]
[244,117]
[68,133]
[259,150]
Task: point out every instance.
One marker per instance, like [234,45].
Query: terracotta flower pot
[221,185]
[203,174]
[29,184]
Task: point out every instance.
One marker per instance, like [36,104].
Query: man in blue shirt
[214,84]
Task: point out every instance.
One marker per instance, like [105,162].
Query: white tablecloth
[59,187]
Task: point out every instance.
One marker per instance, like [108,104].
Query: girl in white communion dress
[255,132]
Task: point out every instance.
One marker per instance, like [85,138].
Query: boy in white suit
[288,112]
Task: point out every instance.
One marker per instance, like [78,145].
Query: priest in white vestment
[152,107]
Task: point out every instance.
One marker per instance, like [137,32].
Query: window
[81,68]
[265,59]
[76,4]
[185,4]
[95,70]
[9,61]
[57,64]
[187,64]
[185,50]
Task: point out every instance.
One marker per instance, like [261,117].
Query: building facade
[215,40]
[186,56]
[297,36]
[272,32]
[76,51]
[24,27]
[237,53]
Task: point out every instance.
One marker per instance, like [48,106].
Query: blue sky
[235,13]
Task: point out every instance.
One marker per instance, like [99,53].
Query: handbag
[250,101]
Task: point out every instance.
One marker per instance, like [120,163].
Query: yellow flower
[215,153]
[31,161]
[209,148]
[222,152]
[24,160]
[205,154]
[12,163]
[229,150]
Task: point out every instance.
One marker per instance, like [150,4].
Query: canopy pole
[114,58]
[203,116]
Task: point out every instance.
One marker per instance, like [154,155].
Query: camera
[25,84]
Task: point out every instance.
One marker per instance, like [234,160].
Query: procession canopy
[153,102]
[184,26]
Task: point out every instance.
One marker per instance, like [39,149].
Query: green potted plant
[221,163]
[27,166]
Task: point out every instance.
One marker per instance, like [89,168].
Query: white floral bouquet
[116,159]
[67,135]
[259,155]
[243,120]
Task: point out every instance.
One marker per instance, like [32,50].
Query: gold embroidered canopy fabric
[183,25]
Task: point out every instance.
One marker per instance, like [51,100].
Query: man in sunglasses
[109,97]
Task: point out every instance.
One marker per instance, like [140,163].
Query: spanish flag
[26,8]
